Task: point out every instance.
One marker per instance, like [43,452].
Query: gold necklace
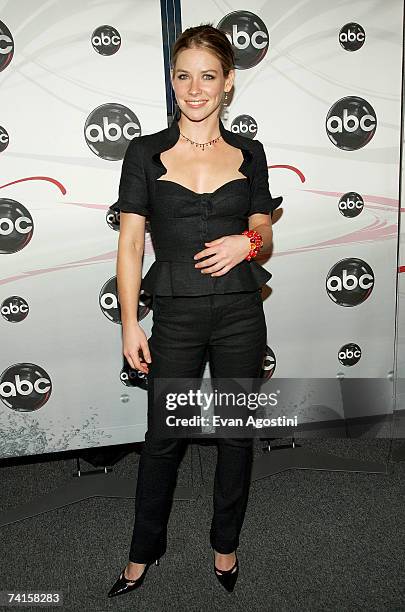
[202,144]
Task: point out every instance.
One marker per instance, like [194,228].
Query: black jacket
[181,220]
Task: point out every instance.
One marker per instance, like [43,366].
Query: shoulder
[243,141]
[147,142]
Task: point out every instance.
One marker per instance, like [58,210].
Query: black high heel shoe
[125,585]
[229,577]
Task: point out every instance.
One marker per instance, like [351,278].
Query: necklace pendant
[202,144]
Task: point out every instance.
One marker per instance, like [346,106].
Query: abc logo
[133,378]
[25,387]
[244,125]
[109,303]
[248,36]
[109,129]
[269,363]
[351,204]
[351,123]
[349,354]
[108,300]
[14,309]
[352,36]
[6,46]
[112,218]
[350,282]
[16,226]
[106,40]
[4,139]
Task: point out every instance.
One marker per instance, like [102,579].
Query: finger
[146,352]
[136,363]
[143,366]
[130,361]
[216,241]
[205,253]
[208,262]
[216,268]
[222,272]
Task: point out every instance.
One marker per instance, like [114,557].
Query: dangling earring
[225,99]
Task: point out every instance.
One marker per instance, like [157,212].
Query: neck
[200,131]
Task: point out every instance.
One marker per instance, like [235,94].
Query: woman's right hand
[134,340]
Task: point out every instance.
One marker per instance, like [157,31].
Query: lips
[196,103]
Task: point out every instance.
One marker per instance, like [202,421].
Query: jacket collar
[172,134]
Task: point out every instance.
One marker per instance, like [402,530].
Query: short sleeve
[261,200]
[133,189]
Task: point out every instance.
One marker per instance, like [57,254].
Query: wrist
[256,242]
[248,244]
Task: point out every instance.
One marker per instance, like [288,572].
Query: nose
[195,88]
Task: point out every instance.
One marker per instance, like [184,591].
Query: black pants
[232,327]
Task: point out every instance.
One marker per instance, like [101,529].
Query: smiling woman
[206,193]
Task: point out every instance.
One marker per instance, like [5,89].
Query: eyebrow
[209,70]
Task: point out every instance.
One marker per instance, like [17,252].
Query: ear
[229,81]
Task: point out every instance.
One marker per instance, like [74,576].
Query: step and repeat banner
[78,82]
[319,84]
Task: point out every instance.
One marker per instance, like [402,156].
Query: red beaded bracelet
[256,242]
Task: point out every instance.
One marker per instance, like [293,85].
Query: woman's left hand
[225,253]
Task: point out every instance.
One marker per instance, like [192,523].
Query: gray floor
[312,540]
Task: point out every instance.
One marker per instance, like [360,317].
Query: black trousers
[232,328]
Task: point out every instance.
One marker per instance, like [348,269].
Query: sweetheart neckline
[205,192]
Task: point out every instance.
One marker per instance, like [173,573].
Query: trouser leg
[178,347]
[237,348]
[157,477]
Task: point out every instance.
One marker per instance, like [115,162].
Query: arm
[133,207]
[262,224]
[262,203]
[131,244]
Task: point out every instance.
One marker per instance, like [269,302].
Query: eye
[210,76]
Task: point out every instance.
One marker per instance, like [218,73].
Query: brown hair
[207,37]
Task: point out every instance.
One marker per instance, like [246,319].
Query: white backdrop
[289,93]
[56,80]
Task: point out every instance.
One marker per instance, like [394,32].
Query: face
[198,77]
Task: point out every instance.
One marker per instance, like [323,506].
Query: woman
[202,187]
